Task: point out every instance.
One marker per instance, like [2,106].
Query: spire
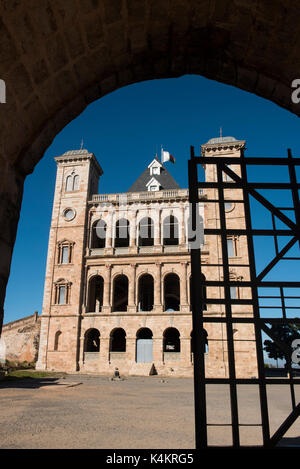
[81,146]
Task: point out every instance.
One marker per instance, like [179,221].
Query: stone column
[109,235]
[131,290]
[41,364]
[106,308]
[157,232]
[104,353]
[133,234]
[158,307]
[157,350]
[11,193]
[182,233]
[185,350]
[81,352]
[130,350]
[184,307]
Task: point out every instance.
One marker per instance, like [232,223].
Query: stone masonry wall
[21,338]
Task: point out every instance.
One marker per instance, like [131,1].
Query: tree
[285,333]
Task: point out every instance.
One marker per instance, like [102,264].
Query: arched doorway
[95,294]
[120,293]
[122,233]
[146,232]
[92,341]
[192,344]
[171,344]
[98,235]
[144,346]
[170,231]
[171,292]
[146,293]
[117,341]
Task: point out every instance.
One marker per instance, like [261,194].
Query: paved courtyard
[139,412]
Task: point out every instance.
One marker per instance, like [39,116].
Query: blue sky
[124,130]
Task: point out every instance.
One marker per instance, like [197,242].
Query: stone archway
[57,56]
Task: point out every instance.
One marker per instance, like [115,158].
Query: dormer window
[153,185]
[155,167]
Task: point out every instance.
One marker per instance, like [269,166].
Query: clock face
[69,214]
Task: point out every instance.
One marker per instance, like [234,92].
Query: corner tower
[77,179]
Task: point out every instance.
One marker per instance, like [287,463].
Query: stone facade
[21,339]
[58,56]
[106,300]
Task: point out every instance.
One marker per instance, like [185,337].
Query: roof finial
[81,147]
[221,136]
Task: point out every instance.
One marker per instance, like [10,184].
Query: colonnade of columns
[157,216]
[159,286]
[130,355]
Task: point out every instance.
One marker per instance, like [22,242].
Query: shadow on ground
[28,382]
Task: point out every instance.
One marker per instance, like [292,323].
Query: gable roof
[164,178]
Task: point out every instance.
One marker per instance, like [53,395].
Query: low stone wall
[21,339]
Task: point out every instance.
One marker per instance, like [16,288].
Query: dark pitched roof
[164,178]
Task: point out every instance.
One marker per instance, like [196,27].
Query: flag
[166,156]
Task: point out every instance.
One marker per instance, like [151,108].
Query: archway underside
[58,56]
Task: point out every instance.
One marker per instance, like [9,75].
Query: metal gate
[144,350]
[285,223]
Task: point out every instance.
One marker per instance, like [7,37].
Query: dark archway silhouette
[98,235]
[92,341]
[146,293]
[170,231]
[120,293]
[118,340]
[146,232]
[172,292]
[57,83]
[122,233]
[171,339]
[95,294]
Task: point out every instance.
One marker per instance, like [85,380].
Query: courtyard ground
[82,411]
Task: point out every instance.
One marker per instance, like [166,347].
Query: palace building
[117,286]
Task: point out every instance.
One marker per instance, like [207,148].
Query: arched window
[202,287]
[146,293]
[144,333]
[120,293]
[69,183]
[172,292]
[118,340]
[144,346]
[92,341]
[76,183]
[122,233]
[95,300]
[171,340]
[72,182]
[170,231]
[57,340]
[98,235]
[146,232]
